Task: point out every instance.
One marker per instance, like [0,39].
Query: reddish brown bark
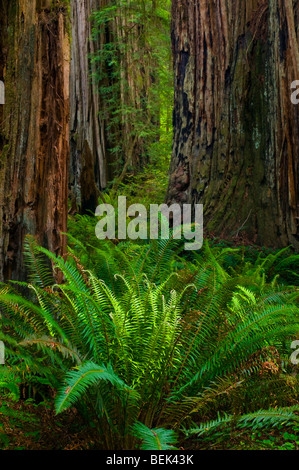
[34,140]
[236,137]
[88,169]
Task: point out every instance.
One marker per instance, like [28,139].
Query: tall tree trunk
[88,163]
[236,136]
[93,136]
[124,64]
[34,131]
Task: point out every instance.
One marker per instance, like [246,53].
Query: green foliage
[133,70]
[273,264]
[145,335]
[12,417]
[16,419]
[149,185]
[284,441]
[262,419]
[84,377]
[155,439]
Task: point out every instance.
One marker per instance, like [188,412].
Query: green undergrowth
[153,346]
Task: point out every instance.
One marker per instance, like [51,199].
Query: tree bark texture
[236,136]
[34,128]
[88,163]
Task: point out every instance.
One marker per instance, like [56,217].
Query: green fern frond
[155,439]
[262,419]
[87,375]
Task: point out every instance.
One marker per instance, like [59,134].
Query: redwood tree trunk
[236,138]
[88,164]
[34,130]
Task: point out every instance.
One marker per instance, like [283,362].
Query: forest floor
[36,427]
[43,430]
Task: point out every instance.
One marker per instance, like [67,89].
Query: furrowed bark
[236,134]
[88,164]
[34,129]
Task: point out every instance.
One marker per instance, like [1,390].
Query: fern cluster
[146,343]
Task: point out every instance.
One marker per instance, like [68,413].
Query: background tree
[88,157]
[34,136]
[132,68]
[236,134]
[121,93]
